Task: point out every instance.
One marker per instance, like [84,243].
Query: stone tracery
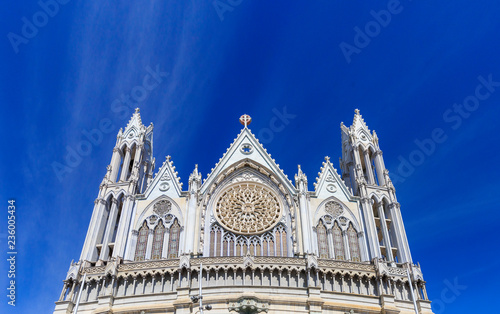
[248,208]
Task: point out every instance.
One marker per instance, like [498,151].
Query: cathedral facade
[246,238]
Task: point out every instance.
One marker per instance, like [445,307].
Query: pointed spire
[135,121]
[300,179]
[359,122]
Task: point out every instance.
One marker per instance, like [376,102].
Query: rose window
[248,208]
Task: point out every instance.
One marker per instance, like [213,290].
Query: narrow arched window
[142,242]
[352,236]
[224,248]
[265,246]
[283,242]
[212,242]
[219,241]
[158,241]
[278,242]
[173,240]
[322,240]
[338,243]
[231,247]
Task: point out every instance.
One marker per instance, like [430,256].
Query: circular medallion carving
[334,208]
[248,208]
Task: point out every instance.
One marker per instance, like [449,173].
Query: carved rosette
[162,207]
[248,208]
[334,209]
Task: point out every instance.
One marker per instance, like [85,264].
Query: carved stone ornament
[328,219]
[153,219]
[248,306]
[248,208]
[334,208]
[162,207]
[245,177]
[330,178]
[165,177]
[164,186]
[343,221]
[331,188]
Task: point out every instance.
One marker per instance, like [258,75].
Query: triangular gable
[360,129]
[247,146]
[166,182]
[329,183]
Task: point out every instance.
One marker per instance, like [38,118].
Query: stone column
[399,230]
[379,167]
[363,250]
[164,249]
[149,244]
[126,164]
[306,224]
[115,164]
[347,251]
[110,228]
[352,177]
[371,229]
[123,226]
[368,167]
[331,248]
[125,286]
[134,285]
[63,292]
[131,245]
[72,292]
[96,227]
[385,232]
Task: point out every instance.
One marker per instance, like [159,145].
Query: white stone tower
[364,172]
[128,174]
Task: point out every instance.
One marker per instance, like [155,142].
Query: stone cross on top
[245,120]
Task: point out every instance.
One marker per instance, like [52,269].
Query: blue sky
[410,77]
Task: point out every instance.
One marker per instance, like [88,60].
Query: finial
[245,120]
[137,110]
[356,111]
[327,159]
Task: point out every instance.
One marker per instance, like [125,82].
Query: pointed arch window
[352,237]
[231,247]
[338,243]
[265,246]
[283,242]
[322,240]
[173,240]
[219,241]
[278,242]
[158,241]
[142,242]
[212,242]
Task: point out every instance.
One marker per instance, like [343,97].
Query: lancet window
[225,243]
[158,241]
[338,243]
[142,241]
[352,237]
[322,240]
[173,241]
